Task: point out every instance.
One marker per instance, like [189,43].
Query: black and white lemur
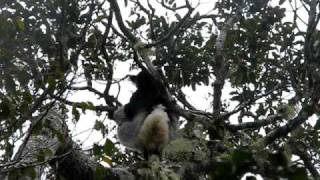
[145,123]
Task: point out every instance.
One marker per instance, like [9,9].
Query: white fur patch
[154,132]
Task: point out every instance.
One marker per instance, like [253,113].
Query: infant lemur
[144,123]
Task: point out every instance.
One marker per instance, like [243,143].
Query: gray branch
[220,69]
[64,155]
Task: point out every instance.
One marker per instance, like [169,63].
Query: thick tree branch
[182,98]
[203,118]
[52,125]
[254,125]
[220,66]
[122,26]
[137,44]
[36,105]
[305,157]
[291,125]
[312,23]
[66,157]
[110,100]
[150,16]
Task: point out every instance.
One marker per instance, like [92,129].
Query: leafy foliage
[50,50]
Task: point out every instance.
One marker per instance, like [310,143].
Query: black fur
[150,92]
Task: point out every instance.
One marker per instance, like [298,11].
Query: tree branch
[172,32]
[114,5]
[171,8]
[66,157]
[249,102]
[79,105]
[220,69]
[291,125]
[91,89]
[254,125]
[304,156]
[182,98]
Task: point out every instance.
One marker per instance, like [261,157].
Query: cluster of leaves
[31,36]
[43,42]
[242,160]
[252,48]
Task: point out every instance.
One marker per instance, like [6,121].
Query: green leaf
[101,173]
[317,125]
[287,111]
[61,137]
[44,154]
[25,172]
[27,97]
[98,125]
[52,82]
[240,157]
[14,175]
[298,174]
[10,85]
[23,78]
[5,110]
[75,113]
[37,128]
[19,23]
[178,17]
[108,147]
[86,105]
[92,41]
[261,110]
[138,23]
[281,2]
[97,150]
[30,172]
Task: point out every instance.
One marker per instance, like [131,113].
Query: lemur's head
[144,81]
